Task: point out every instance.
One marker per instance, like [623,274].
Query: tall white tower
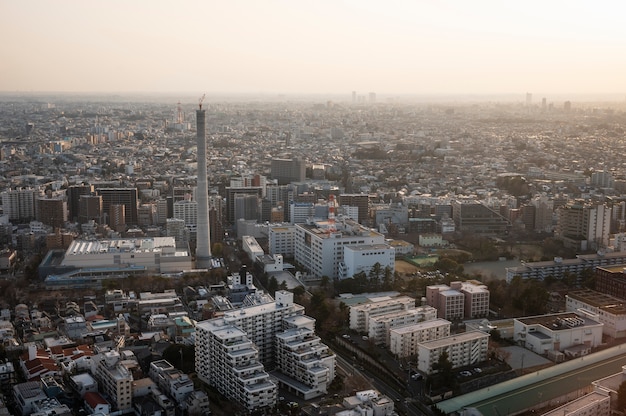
[203,243]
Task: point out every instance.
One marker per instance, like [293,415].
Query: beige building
[404,341]
[360,314]
[463,349]
[381,325]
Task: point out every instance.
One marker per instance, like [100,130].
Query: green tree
[272,286]
[443,367]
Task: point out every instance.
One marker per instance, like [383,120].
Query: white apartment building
[187,211]
[404,341]
[319,245]
[262,322]
[381,325]
[606,309]
[301,357]
[281,239]
[270,335]
[570,333]
[360,314]
[19,204]
[115,379]
[171,380]
[361,259]
[463,349]
[227,360]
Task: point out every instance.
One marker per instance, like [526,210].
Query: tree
[444,367]
[621,396]
[272,285]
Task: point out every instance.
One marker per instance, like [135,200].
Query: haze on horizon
[320,47]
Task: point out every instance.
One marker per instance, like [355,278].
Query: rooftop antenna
[200,100]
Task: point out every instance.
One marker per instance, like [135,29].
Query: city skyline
[279,47]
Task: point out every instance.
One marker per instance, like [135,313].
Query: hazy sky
[319,46]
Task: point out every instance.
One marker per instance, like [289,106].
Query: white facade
[281,240]
[463,349]
[566,332]
[360,314]
[227,360]
[404,341]
[319,247]
[302,357]
[187,211]
[381,325]
[158,254]
[114,379]
[19,204]
[596,403]
[606,309]
[251,247]
[357,259]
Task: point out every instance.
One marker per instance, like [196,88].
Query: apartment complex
[234,350]
[381,325]
[404,340]
[463,349]
[360,315]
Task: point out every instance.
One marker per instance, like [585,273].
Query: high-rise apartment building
[233,351]
[52,210]
[362,201]
[584,226]
[90,208]
[19,204]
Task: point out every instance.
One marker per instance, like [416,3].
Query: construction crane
[200,101]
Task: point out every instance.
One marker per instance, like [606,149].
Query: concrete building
[473,217]
[281,240]
[227,360]
[569,333]
[404,340]
[606,309]
[73,193]
[558,267]
[362,201]
[306,366]
[19,204]
[203,242]
[171,381]
[158,254]
[450,303]
[611,280]
[596,403]
[251,247]
[380,326]
[115,379]
[320,245]
[52,210]
[112,197]
[286,171]
[364,258]
[90,208]
[360,315]
[463,349]
[584,226]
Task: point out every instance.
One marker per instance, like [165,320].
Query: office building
[288,170]
[231,193]
[474,217]
[361,201]
[112,198]
[583,226]
[320,246]
[281,239]
[90,208]
[367,259]
[74,192]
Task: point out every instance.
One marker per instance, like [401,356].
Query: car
[365,337]
[416,376]
[346,336]
[478,370]
[465,373]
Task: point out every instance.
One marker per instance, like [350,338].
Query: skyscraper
[203,244]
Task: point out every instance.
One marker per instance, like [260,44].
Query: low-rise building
[568,332]
[404,341]
[607,309]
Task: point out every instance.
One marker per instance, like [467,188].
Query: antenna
[200,100]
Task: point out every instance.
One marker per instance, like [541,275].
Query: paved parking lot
[522,358]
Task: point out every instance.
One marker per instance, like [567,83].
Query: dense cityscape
[351,255]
